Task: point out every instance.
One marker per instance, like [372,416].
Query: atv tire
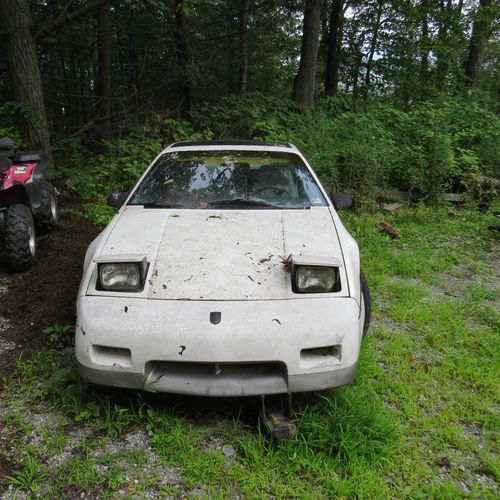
[365,292]
[19,242]
[47,216]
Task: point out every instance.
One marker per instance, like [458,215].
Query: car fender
[350,252]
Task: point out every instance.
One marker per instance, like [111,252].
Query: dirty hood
[222,255]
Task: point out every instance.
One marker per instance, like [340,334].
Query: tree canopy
[97,69]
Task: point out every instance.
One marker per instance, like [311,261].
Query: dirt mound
[46,294]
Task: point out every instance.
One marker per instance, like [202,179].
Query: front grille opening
[217,379]
[320,356]
[110,356]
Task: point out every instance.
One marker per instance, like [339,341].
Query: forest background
[378,94]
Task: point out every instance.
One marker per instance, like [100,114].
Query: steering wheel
[274,189]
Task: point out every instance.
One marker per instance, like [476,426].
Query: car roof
[232,144]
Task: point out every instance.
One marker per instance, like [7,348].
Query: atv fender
[34,188]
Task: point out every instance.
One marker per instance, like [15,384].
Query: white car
[226,272]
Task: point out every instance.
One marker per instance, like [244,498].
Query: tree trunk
[66,109]
[373,46]
[24,72]
[478,39]
[305,80]
[356,71]
[243,47]
[334,47]
[442,52]
[424,40]
[181,55]
[103,83]
[82,85]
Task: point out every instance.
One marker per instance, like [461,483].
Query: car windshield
[225,179]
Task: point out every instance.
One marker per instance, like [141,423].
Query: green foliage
[433,147]
[8,112]
[348,427]
[94,177]
[28,477]
[424,160]
[98,212]
[427,149]
[59,335]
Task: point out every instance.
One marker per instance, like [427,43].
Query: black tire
[365,291]
[47,216]
[19,238]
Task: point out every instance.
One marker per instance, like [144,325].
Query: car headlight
[315,279]
[120,276]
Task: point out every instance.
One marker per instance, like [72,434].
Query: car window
[202,179]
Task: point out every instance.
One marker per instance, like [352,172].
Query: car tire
[19,243]
[47,216]
[365,291]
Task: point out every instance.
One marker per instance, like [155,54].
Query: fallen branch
[387,228]
[65,17]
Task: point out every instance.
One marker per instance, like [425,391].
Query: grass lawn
[421,419]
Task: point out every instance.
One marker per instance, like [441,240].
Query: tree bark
[373,45]
[181,55]
[243,46]
[82,85]
[478,39]
[424,40]
[305,81]
[334,47]
[103,83]
[356,71]
[24,72]
[67,109]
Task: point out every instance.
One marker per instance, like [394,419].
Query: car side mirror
[341,200]
[117,198]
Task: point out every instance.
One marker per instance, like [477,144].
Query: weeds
[59,335]
[347,427]
[28,477]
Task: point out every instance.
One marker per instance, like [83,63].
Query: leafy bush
[100,213]
[427,149]
[59,335]
[8,112]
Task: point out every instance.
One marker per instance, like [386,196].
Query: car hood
[225,254]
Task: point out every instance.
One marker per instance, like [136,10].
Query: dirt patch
[46,294]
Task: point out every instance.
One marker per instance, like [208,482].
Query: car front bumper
[258,347]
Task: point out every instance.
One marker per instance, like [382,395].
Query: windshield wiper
[241,202]
[162,204]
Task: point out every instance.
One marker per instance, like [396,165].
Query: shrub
[427,149]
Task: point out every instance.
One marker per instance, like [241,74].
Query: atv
[28,205]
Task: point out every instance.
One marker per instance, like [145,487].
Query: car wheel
[365,291]
[47,215]
[19,238]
